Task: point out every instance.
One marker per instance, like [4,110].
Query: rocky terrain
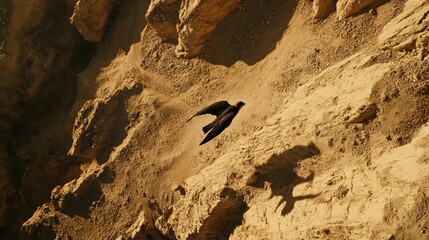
[333,142]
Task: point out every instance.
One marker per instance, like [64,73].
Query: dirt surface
[331,143]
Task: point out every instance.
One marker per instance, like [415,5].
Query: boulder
[197,19]
[90,18]
[41,224]
[409,30]
[163,16]
[191,22]
[92,135]
[32,52]
[347,8]
[322,8]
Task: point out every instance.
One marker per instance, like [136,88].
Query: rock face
[5,11]
[33,52]
[41,222]
[8,190]
[163,15]
[346,8]
[92,128]
[409,30]
[322,8]
[196,20]
[90,18]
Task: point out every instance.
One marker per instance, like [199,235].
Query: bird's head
[240,104]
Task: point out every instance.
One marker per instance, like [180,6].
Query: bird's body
[224,113]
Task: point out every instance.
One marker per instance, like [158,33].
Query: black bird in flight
[224,113]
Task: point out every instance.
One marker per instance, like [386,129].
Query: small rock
[331,142]
[180,188]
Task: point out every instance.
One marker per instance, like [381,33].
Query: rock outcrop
[5,11]
[37,46]
[40,225]
[92,135]
[8,190]
[196,20]
[409,30]
[322,8]
[163,16]
[346,8]
[90,18]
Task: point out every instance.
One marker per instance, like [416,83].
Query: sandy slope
[303,81]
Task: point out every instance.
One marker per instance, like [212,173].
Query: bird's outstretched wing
[215,109]
[219,126]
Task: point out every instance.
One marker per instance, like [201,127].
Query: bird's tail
[208,127]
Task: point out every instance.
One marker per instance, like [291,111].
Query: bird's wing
[215,109]
[219,126]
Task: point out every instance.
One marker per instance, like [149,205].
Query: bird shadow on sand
[279,173]
[286,193]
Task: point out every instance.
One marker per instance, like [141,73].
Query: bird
[224,113]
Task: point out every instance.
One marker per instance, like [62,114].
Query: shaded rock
[180,189]
[322,8]
[163,16]
[144,228]
[364,114]
[40,225]
[5,12]
[197,19]
[221,212]
[223,219]
[138,228]
[71,2]
[36,47]
[90,18]
[347,8]
[409,30]
[62,196]
[100,124]
[8,191]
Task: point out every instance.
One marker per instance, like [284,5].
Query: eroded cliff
[332,142]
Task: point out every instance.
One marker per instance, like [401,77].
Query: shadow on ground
[249,33]
[279,173]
